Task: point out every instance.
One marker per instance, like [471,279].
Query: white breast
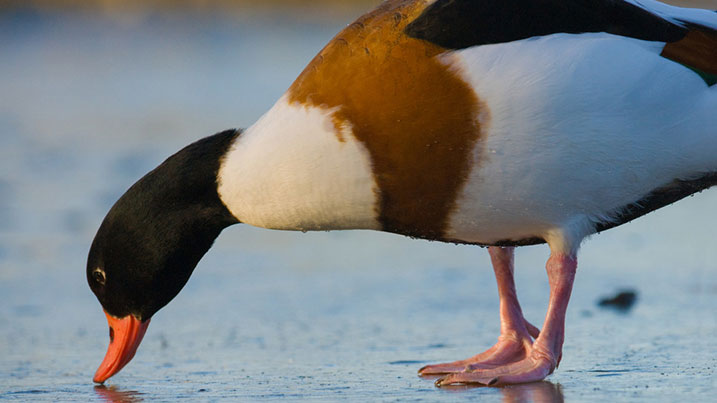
[292,170]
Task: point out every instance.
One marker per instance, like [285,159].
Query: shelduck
[489,122]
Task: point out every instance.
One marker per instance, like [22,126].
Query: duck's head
[152,239]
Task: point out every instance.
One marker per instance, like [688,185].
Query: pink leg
[544,354]
[515,332]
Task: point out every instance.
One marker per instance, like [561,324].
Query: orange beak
[125,335]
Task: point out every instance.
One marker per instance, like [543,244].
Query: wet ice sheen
[90,104]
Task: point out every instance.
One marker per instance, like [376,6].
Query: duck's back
[454,130]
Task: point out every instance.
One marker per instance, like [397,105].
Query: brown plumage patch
[416,117]
[698,50]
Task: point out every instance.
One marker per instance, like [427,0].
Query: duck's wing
[690,35]
[697,49]
[458,24]
[679,15]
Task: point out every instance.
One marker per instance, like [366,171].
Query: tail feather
[697,50]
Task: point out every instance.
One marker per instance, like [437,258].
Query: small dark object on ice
[622,301]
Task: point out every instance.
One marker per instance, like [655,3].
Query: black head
[156,233]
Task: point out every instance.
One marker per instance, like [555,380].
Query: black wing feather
[459,24]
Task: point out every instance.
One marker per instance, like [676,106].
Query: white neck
[293,169]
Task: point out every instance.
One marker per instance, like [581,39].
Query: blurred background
[93,94]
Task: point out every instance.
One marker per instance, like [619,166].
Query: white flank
[290,171]
[580,126]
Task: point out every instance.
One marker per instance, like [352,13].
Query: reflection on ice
[114,394]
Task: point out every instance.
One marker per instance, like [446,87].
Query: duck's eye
[99,276]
